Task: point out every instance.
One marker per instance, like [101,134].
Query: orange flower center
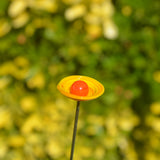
[79,88]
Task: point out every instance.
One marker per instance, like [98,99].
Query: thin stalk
[75,130]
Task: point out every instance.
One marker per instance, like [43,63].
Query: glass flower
[96,89]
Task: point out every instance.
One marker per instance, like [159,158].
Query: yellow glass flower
[96,89]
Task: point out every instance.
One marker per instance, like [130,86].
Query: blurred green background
[116,42]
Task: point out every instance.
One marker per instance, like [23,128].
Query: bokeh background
[116,42]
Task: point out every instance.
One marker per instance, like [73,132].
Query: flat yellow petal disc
[96,89]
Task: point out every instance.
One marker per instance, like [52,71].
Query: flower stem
[75,130]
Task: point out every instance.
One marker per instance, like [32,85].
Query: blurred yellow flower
[20,20]
[54,148]
[156,76]
[47,5]
[35,143]
[7,68]
[127,120]
[85,152]
[155,108]
[52,114]
[130,152]
[149,120]
[5,27]
[104,10]
[154,141]
[21,61]
[128,123]
[51,126]
[96,9]
[17,154]
[122,142]
[99,153]
[153,122]
[156,124]
[20,68]
[34,121]
[63,104]
[70,1]
[32,139]
[37,81]
[101,14]
[92,18]
[97,1]
[3,148]
[39,151]
[111,125]
[151,156]
[16,141]
[20,73]
[96,119]
[109,142]
[52,117]
[94,31]
[4,81]
[28,103]
[5,118]
[75,11]
[110,30]
[17,7]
